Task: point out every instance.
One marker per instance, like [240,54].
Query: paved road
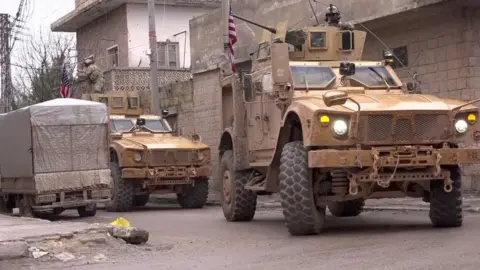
[202,239]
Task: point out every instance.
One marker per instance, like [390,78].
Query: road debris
[65,256]
[122,229]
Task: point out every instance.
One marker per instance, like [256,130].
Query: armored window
[117,102]
[373,76]
[402,54]
[133,102]
[312,76]
[263,50]
[168,54]
[348,40]
[121,125]
[318,40]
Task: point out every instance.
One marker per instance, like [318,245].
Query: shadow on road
[353,225]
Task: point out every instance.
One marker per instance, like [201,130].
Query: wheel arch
[291,130]
[226,142]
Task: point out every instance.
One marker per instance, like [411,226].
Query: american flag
[232,37]
[65,85]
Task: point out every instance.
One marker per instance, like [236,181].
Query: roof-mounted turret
[123,102]
[333,41]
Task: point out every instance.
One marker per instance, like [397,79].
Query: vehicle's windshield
[367,76]
[156,125]
[121,125]
[312,76]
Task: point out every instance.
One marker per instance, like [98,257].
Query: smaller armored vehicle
[53,157]
[146,156]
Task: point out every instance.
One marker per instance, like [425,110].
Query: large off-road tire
[346,209]
[141,200]
[87,211]
[238,203]
[446,207]
[194,196]
[301,214]
[122,192]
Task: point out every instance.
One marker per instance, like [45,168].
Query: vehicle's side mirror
[140,122]
[164,112]
[388,56]
[334,97]
[196,138]
[412,87]
[347,69]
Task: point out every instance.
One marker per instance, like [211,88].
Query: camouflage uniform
[94,75]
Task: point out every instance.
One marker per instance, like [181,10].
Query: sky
[41,14]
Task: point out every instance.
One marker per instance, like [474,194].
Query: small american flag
[232,37]
[65,85]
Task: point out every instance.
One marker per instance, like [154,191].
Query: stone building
[437,39]
[116,33]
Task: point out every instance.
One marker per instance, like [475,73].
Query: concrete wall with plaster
[100,34]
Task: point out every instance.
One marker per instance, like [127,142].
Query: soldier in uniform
[93,74]
[332,17]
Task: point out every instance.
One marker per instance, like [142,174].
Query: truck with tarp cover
[54,156]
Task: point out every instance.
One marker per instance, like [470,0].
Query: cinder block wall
[207,111]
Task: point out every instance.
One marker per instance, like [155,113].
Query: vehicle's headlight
[461,126]
[137,156]
[200,156]
[340,127]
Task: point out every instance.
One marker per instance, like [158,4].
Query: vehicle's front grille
[178,157]
[419,128]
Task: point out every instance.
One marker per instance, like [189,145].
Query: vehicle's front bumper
[174,173]
[405,156]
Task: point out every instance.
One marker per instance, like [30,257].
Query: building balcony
[132,79]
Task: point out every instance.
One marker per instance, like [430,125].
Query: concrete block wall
[178,98]
[207,110]
[444,50]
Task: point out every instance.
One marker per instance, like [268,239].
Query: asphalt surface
[202,239]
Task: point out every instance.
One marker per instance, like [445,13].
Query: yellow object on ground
[121,222]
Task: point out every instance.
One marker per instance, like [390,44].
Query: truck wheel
[194,196]
[238,203]
[87,211]
[346,209]
[141,200]
[25,206]
[301,214]
[123,191]
[446,208]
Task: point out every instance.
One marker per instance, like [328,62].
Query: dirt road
[202,239]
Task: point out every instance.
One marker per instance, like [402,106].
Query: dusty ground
[202,239]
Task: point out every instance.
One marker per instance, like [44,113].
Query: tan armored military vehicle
[147,157]
[326,129]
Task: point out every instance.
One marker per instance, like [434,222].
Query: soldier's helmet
[89,60]
[332,15]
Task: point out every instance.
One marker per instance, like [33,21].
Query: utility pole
[152,34]
[6,94]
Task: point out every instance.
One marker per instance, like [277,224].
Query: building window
[112,54]
[168,54]
[402,54]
